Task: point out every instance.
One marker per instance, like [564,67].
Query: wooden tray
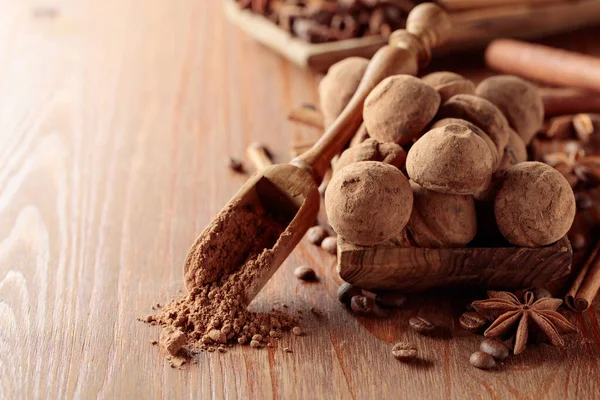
[413,269]
[472,29]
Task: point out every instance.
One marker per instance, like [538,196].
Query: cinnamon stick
[586,284]
[559,101]
[308,115]
[544,64]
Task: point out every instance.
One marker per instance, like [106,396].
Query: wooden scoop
[286,195]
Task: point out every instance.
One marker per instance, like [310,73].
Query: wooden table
[116,117]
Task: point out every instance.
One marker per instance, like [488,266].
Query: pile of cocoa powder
[214,315]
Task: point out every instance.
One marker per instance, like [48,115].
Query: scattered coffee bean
[360,305]
[421,325]
[316,234]
[346,291]
[583,201]
[472,321]
[305,273]
[482,360]
[235,165]
[297,331]
[363,305]
[329,244]
[495,348]
[578,241]
[404,351]
[390,300]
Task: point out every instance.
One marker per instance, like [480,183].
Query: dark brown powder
[214,312]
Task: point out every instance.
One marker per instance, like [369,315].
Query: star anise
[576,166]
[510,314]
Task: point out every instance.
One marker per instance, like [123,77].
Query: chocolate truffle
[372,150]
[368,202]
[449,84]
[338,86]
[480,112]
[451,159]
[535,205]
[399,109]
[518,99]
[491,145]
[441,220]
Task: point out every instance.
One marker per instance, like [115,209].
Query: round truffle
[372,150]
[451,159]
[518,99]
[449,84]
[338,86]
[477,131]
[368,202]
[441,220]
[481,113]
[399,109]
[535,206]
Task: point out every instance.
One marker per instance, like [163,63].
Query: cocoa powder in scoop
[214,314]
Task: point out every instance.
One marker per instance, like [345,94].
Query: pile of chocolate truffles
[440,162]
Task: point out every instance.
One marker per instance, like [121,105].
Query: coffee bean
[316,234]
[329,244]
[361,305]
[404,351]
[364,305]
[305,273]
[482,360]
[346,291]
[472,321]
[390,300]
[495,348]
[421,325]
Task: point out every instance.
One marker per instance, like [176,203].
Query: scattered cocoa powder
[214,312]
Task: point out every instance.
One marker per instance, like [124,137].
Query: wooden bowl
[413,269]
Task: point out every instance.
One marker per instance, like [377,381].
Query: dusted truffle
[535,206]
[451,159]
[399,109]
[491,145]
[441,220]
[338,86]
[368,202]
[449,84]
[372,150]
[518,99]
[481,113]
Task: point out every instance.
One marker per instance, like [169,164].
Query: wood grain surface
[116,119]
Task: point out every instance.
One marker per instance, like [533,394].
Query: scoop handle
[408,50]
